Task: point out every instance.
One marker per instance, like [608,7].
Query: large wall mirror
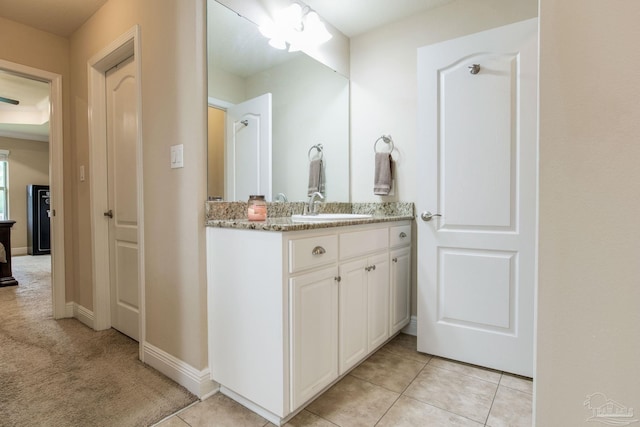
[309,106]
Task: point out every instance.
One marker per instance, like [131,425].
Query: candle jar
[257,208]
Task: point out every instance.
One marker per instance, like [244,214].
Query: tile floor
[396,386]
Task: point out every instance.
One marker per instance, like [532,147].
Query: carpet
[62,373]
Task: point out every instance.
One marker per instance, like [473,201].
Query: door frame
[126,45]
[56,180]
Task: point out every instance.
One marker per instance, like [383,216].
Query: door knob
[426,215]
[109,213]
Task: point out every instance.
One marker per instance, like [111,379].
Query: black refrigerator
[38,224]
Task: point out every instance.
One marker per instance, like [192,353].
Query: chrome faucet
[312,207]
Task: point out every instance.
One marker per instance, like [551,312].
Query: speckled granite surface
[234,215]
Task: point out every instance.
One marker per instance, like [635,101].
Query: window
[4,184]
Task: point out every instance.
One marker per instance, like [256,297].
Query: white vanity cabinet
[314,333]
[364,294]
[290,312]
[400,283]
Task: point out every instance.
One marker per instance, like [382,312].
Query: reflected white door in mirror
[248,149]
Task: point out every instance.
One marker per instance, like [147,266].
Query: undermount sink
[324,217]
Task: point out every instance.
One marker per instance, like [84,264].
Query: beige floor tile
[221,411]
[467,369]
[510,408]
[517,383]
[408,412]
[406,346]
[388,370]
[455,392]
[174,421]
[307,419]
[353,402]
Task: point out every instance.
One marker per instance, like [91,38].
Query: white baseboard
[412,327]
[83,314]
[197,382]
[68,309]
[18,251]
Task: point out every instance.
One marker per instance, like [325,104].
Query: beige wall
[384,86]
[173,112]
[589,253]
[28,164]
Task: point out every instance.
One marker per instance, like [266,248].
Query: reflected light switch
[176,156]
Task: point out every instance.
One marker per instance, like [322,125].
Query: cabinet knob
[403,235]
[369,268]
[337,279]
[318,250]
[395,260]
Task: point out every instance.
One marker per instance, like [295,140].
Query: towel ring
[387,140]
[318,147]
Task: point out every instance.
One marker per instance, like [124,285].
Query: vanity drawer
[400,235]
[363,242]
[312,252]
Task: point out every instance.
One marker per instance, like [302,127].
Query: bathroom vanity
[294,306]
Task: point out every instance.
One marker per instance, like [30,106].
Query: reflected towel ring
[318,147]
[387,140]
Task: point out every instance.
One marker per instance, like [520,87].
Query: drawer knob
[403,235]
[318,250]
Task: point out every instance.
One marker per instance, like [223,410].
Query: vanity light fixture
[297,26]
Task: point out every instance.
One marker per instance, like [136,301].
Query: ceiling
[63,17]
[60,17]
[30,118]
[354,17]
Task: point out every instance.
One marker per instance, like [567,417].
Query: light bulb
[278,43]
[268,29]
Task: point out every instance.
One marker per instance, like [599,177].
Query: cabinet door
[400,288]
[378,300]
[314,333]
[353,313]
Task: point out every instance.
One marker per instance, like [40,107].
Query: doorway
[60,308]
[132,263]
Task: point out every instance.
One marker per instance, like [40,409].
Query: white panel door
[123,198]
[477,154]
[248,149]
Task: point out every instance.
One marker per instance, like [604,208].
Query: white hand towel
[383,174]
[315,177]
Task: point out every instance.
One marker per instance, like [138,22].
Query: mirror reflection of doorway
[215,177]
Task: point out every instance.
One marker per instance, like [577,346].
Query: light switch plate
[177,158]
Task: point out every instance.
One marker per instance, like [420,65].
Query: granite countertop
[233,215]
